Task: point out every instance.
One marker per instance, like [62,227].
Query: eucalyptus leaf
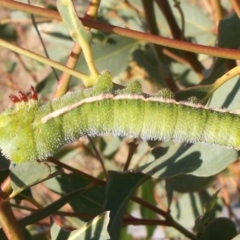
[219,228]
[120,187]
[113,53]
[198,160]
[50,209]
[93,230]
[21,179]
[89,202]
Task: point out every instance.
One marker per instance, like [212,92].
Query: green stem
[85,78]
[87,51]
[77,31]
[64,81]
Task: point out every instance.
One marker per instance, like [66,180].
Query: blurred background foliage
[183,178]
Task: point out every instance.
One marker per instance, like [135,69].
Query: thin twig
[76,171]
[163,68]
[132,146]
[98,156]
[41,40]
[167,42]
[8,222]
[178,34]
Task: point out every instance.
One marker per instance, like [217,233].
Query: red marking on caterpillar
[14,98]
[33,93]
[24,97]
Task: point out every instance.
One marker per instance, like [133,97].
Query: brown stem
[181,45]
[132,146]
[162,66]
[181,229]
[76,171]
[150,206]
[9,222]
[146,222]
[63,83]
[152,25]
[101,182]
[169,219]
[34,22]
[177,34]
[98,157]
[6,188]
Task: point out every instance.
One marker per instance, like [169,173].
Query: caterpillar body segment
[30,130]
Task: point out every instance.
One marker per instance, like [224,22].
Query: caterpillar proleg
[33,131]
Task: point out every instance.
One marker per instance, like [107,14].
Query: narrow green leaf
[204,92]
[50,209]
[211,202]
[89,202]
[80,35]
[148,195]
[120,187]
[169,186]
[71,21]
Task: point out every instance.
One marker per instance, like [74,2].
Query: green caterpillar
[30,130]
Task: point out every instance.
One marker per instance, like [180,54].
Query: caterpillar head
[15,127]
